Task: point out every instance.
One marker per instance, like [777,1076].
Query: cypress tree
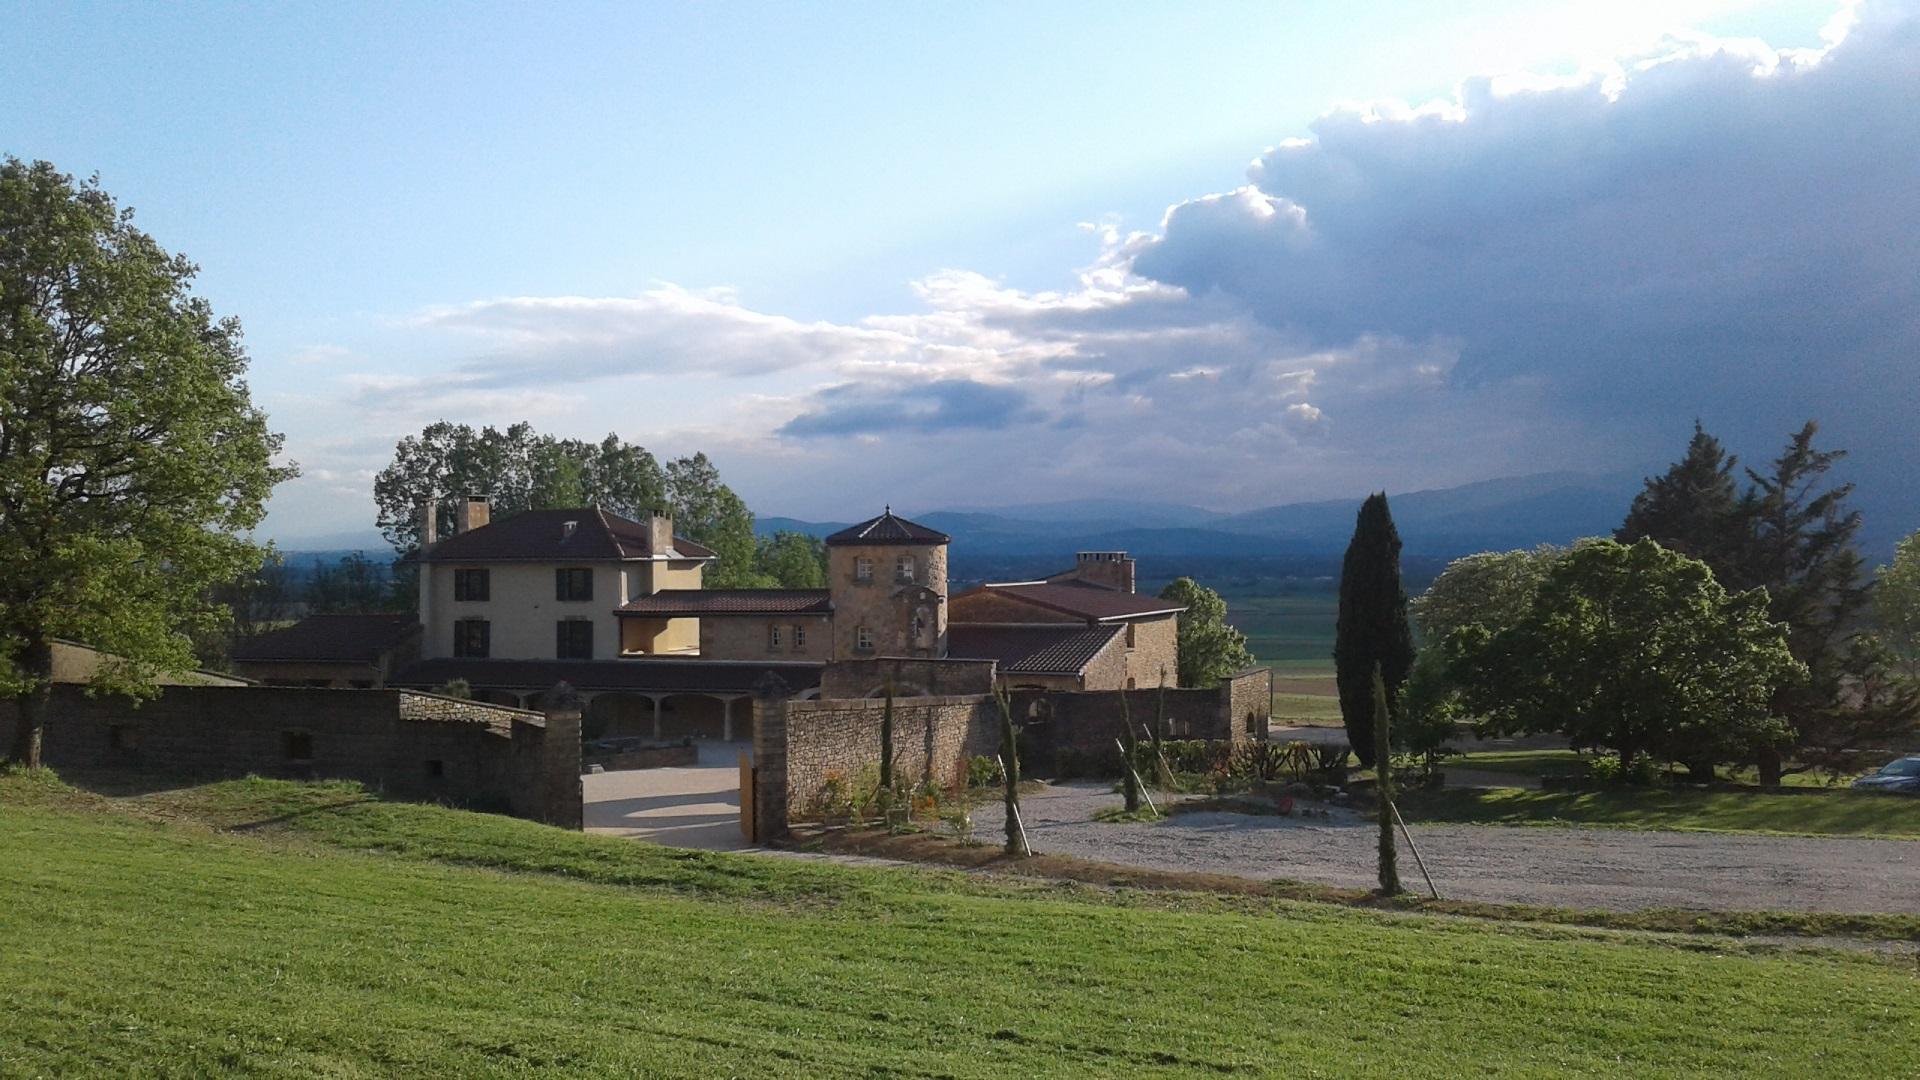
[1383,785]
[886,742]
[1009,751]
[1373,628]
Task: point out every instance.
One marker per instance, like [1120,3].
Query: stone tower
[888,579]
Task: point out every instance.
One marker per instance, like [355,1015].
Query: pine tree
[1373,627]
[1694,508]
[1802,550]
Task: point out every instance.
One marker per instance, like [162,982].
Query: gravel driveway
[1618,869]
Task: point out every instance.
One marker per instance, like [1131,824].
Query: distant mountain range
[1490,515]
[1292,541]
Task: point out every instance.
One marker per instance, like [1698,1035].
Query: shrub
[1609,772]
[983,772]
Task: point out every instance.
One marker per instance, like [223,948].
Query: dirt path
[1614,869]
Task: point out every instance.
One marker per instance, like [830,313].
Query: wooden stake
[1415,847]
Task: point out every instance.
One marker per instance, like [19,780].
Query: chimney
[429,524]
[1112,569]
[659,535]
[473,512]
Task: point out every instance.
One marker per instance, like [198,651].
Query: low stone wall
[1061,730]
[933,738]
[403,743]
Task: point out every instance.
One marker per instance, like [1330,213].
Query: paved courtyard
[694,807]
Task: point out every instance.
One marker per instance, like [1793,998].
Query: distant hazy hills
[1291,541]
[1493,514]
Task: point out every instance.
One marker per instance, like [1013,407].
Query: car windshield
[1906,766]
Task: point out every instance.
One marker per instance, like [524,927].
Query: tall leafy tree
[1638,650]
[708,511]
[132,460]
[1373,627]
[1207,648]
[1492,588]
[792,560]
[1896,605]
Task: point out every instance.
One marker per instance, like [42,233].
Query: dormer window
[863,569]
[568,528]
[903,570]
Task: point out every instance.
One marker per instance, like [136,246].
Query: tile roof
[332,639]
[658,676]
[1032,650]
[887,529]
[543,535]
[668,603]
[1084,600]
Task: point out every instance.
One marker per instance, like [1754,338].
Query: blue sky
[924,252]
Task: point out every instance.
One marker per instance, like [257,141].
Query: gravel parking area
[1594,868]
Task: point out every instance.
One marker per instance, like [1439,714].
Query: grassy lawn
[1293,633]
[1835,813]
[1307,709]
[319,932]
[1550,762]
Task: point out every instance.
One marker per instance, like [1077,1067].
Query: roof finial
[889,512]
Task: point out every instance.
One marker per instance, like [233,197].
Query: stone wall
[402,743]
[911,677]
[1062,730]
[933,737]
[1156,648]
[646,757]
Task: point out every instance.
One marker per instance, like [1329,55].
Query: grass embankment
[315,931]
[1826,813]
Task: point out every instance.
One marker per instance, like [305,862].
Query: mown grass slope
[280,929]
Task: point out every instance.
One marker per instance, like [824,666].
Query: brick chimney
[429,524]
[1110,568]
[473,512]
[659,534]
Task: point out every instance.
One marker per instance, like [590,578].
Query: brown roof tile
[657,676]
[332,639]
[543,535]
[1085,601]
[669,603]
[1032,650]
[887,529]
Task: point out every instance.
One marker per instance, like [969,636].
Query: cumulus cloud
[1538,273]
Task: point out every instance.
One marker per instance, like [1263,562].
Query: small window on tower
[863,569]
[863,639]
[903,569]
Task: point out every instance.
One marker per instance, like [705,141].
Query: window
[296,745]
[436,768]
[574,639]
[573,584]
[799,637]
[863,639]
[773,637]
[863,569]
[471,584]
[471,638]
[124,738]
[903,569]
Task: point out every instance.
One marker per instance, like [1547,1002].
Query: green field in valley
[267,928]
[1292,633]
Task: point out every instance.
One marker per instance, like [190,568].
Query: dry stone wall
[933,737]
[403,743]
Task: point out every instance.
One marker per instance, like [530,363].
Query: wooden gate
[746,798]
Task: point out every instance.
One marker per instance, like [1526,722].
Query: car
[1900,775]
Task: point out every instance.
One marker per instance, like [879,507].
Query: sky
[1232,255]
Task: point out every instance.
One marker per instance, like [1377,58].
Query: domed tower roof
[887,529]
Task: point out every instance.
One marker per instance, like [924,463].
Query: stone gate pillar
[769,760]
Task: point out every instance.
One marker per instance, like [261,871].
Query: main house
[616,608]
